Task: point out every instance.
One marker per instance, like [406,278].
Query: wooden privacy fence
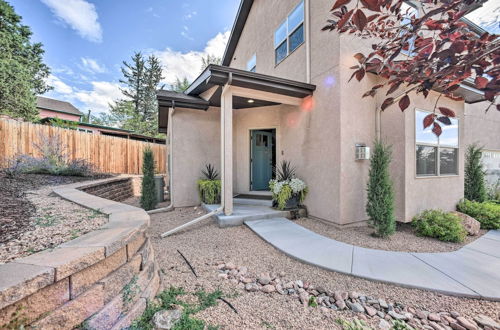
[108,154]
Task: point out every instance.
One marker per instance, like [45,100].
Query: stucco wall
[320,141]
[196,142]
[481,126]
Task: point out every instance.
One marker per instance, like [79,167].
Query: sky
[85,41]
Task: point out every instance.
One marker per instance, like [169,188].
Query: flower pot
[293,202]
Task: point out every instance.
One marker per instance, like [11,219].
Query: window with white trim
[436,156]
[252,63]
[290,34]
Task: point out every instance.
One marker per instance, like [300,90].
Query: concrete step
[252,201]
[242,213]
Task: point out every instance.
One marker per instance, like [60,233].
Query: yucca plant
[210,172]
[285,171]
[209,188]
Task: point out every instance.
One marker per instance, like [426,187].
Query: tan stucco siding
[482,127]
[196,142]
[257,38]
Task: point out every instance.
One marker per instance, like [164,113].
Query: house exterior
[282,94]
[52,108]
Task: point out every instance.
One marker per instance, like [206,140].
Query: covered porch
[241,103]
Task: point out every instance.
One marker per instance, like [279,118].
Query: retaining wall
[102,279]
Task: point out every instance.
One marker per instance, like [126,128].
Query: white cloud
[98,99]
[178,64]
[60,87]
[80,15]
[190,15]
[92,65]
[487,16]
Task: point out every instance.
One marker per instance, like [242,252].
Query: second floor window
[252,64]
[290,34]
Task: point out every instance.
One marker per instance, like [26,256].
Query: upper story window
[436,156]
[252,63]
[290,34]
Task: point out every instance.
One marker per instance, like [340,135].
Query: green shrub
[474,184]
[380,205]
[441,225]
[209,191]
[487,213]
[148,191]
[209,188]
[493,192]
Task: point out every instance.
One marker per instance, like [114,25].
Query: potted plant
[287,190]
[209,188]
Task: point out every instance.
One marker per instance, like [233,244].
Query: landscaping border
[102,279]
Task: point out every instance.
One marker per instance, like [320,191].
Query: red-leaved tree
[435,50]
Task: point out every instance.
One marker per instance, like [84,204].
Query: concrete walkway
[472,271]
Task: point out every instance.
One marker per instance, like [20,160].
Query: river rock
[166,319]
[486,321]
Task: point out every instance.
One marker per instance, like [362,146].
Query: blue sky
[85,41]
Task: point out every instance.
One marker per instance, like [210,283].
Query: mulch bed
[16,209]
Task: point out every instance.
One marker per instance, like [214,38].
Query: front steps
[243,212]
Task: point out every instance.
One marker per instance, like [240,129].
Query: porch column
[226,113]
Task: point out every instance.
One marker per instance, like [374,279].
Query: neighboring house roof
[56,105]
[114,131]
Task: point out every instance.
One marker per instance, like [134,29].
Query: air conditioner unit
[362,152]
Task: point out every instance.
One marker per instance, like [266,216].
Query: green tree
[380,205]
[22,71]
[474,185]
[138,111]
[148,193]
[180,85]
[210,59]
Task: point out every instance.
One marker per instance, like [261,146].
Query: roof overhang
[250,90]
[234,37]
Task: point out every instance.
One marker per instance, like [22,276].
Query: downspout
[221,207]
[378,118]
[170,161]
[308,40]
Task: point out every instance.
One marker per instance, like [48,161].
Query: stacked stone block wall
[116,190]
[101,280]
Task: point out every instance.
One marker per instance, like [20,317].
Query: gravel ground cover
[207,246]
[136,201]
[33,220]
[404,239]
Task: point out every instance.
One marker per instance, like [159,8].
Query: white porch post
[226,113]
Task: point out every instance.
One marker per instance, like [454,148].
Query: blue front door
[261,159]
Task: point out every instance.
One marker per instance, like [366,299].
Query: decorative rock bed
[364,306]
[102,279]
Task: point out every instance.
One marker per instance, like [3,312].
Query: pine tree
[180,85]
[139,110]
[380,205]
[22,71]
[148,191]
[474,184]
[210,59]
